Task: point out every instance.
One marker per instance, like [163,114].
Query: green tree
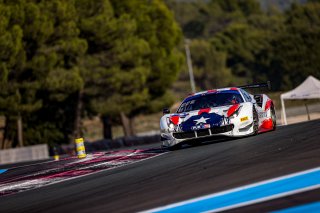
[209,65]
[62,59]
[114,68]
[52,30]
[131,59]
[297,49]
[16,94]
[47,77]
[249,46]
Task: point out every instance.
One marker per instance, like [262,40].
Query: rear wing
[254,86]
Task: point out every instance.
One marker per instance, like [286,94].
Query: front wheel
[175,147]
[255,122]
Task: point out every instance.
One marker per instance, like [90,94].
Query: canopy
[309,89]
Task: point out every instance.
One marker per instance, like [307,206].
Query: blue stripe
[260,191]
[310,208]
[3,170]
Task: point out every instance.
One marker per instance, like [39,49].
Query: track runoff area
[33,176]
[282,175]
[252,194]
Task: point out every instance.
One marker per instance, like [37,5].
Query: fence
[29,153]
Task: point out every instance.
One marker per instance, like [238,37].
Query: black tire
[255,121]
[162,138]
[274,118]
[195,143]
[175,147]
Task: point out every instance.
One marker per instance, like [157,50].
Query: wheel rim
[255,122]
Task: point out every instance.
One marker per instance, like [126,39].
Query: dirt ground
[299,113]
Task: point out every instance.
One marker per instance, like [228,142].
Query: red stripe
[206,110]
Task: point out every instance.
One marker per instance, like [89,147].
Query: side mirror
[166,111]
[253,100]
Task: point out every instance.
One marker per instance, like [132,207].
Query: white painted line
[267,198]
[214,195]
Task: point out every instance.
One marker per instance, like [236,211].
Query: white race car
[230,112]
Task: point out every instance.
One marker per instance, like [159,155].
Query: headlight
[171,126]
[172,122]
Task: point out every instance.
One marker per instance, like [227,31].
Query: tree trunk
[20,131]
[127,126]
[107,130]
[77,121]
[1,142]
[5,133]
[131,123]
[9,139]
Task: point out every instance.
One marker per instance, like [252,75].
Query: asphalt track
[184,174]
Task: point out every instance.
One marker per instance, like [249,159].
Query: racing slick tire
[274,118]
[175,147]
[171,148]
[255,122]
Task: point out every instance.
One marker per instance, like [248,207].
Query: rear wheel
[255,121]
[274,118]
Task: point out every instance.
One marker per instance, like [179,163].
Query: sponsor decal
[201,126]
[244,118]
[262,114]
[198,121]
[206,126]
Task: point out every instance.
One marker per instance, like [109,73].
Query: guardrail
[29,153]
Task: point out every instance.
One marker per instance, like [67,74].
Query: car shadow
[201,142]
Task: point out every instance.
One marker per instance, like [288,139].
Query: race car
[227,112]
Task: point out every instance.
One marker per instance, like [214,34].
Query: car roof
[227,89]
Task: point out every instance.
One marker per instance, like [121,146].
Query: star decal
[201,120]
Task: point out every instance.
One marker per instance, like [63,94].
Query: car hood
[203,119]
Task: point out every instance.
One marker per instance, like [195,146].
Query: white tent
[309,89]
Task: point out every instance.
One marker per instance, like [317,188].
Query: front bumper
[203,132]
[171,139]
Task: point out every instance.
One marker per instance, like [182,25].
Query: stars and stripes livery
[231,112]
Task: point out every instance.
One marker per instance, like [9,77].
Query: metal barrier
[81,150]
[29,153]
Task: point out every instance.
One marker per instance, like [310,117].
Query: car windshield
[210,100]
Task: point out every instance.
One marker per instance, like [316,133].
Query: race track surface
[175,176]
